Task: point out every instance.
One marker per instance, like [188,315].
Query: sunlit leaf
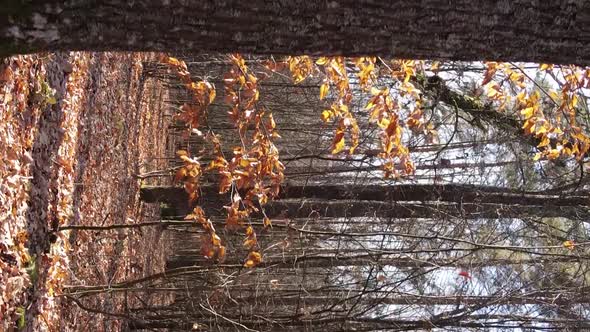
[553,154]
[324,90]
[544,142]
[321,61]
[545,66]
[221,253]
[180,174]
[326,115]
[528,112]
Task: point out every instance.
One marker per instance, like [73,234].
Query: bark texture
[403,201]
[408,192]
[555,31]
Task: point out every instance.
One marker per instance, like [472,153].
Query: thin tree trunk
[355,208]
[328,261]
[352,323]
[547,207]
[456,193]
[280,299]
[555,31]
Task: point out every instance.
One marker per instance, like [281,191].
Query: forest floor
[75,130]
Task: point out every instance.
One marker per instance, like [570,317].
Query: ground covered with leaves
[75,131]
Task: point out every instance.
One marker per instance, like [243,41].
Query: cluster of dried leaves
[395,104]
[253,174]
[33,263]
[32,269]
[14,169]
[64,140]
[548,112]
[119,126]
[384,103]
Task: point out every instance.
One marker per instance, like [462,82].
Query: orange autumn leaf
[254,258]
[250,242]
[569,244]
[180,174]
[173,61]
[322,61]
[490,72]
[545,66]
[216,240]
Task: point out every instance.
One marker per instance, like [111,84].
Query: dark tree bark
[554,31]
[402,201]
[355,208]
[456,193]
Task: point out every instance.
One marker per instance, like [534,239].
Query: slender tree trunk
[455,193]
[320,208]
[355,208]
[369,299]
[555,31]
[325,261]
[269,322]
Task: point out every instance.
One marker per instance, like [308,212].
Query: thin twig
[227,319]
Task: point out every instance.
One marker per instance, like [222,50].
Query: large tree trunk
[555,31]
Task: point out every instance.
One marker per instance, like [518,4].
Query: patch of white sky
[437,281]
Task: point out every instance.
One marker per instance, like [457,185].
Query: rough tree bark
[413,192]
[556,31]
[403,201]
